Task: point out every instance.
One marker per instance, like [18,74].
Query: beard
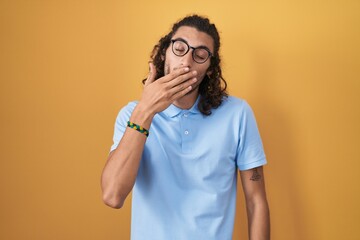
[166,69]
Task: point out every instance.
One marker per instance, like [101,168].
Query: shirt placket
[187,132]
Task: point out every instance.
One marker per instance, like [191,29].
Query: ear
[209,72]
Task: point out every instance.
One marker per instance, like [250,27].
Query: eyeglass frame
[210,55]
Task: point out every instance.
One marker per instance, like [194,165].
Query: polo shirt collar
[173,111]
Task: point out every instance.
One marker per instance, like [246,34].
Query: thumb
[152,74]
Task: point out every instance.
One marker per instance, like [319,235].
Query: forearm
[120,171]
[258,221]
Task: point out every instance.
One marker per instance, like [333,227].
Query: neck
[187,101]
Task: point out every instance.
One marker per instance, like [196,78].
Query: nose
[187,59]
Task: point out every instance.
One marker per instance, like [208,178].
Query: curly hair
[212,89]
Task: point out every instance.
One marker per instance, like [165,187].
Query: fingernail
[194,79]
[186,69]
[194,72]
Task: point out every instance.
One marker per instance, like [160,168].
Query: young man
[180,146]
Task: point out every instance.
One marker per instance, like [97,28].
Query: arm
[256,203]
[122,165]
[120,171]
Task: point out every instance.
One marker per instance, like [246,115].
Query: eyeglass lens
[180,48]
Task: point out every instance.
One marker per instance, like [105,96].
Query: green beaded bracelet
[138,128]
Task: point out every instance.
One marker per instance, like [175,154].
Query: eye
[201,54]
[180,48]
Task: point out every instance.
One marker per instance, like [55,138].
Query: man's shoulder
[232,106]
[130,105]
[128,108]
[232,102]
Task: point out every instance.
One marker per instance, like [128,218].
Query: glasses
[199,54]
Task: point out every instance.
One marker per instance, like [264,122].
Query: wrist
[142,115]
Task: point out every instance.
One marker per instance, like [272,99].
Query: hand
[159,94]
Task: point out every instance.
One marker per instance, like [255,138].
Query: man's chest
[192,150]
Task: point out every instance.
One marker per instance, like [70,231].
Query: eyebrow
[201,46]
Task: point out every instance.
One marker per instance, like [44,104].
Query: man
[180,146]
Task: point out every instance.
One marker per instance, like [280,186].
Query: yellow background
[67,67]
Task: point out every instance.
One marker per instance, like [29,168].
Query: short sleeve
[250,151]
[121,123]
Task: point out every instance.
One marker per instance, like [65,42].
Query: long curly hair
[212,89]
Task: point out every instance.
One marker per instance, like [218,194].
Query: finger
[174,74]
[182,78]
[152,74]
[181,93]
[182,86]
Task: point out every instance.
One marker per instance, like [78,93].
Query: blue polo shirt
[186,185]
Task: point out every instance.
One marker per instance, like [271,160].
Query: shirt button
[185,115]
[186,132]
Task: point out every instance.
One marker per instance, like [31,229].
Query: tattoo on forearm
[256,176]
